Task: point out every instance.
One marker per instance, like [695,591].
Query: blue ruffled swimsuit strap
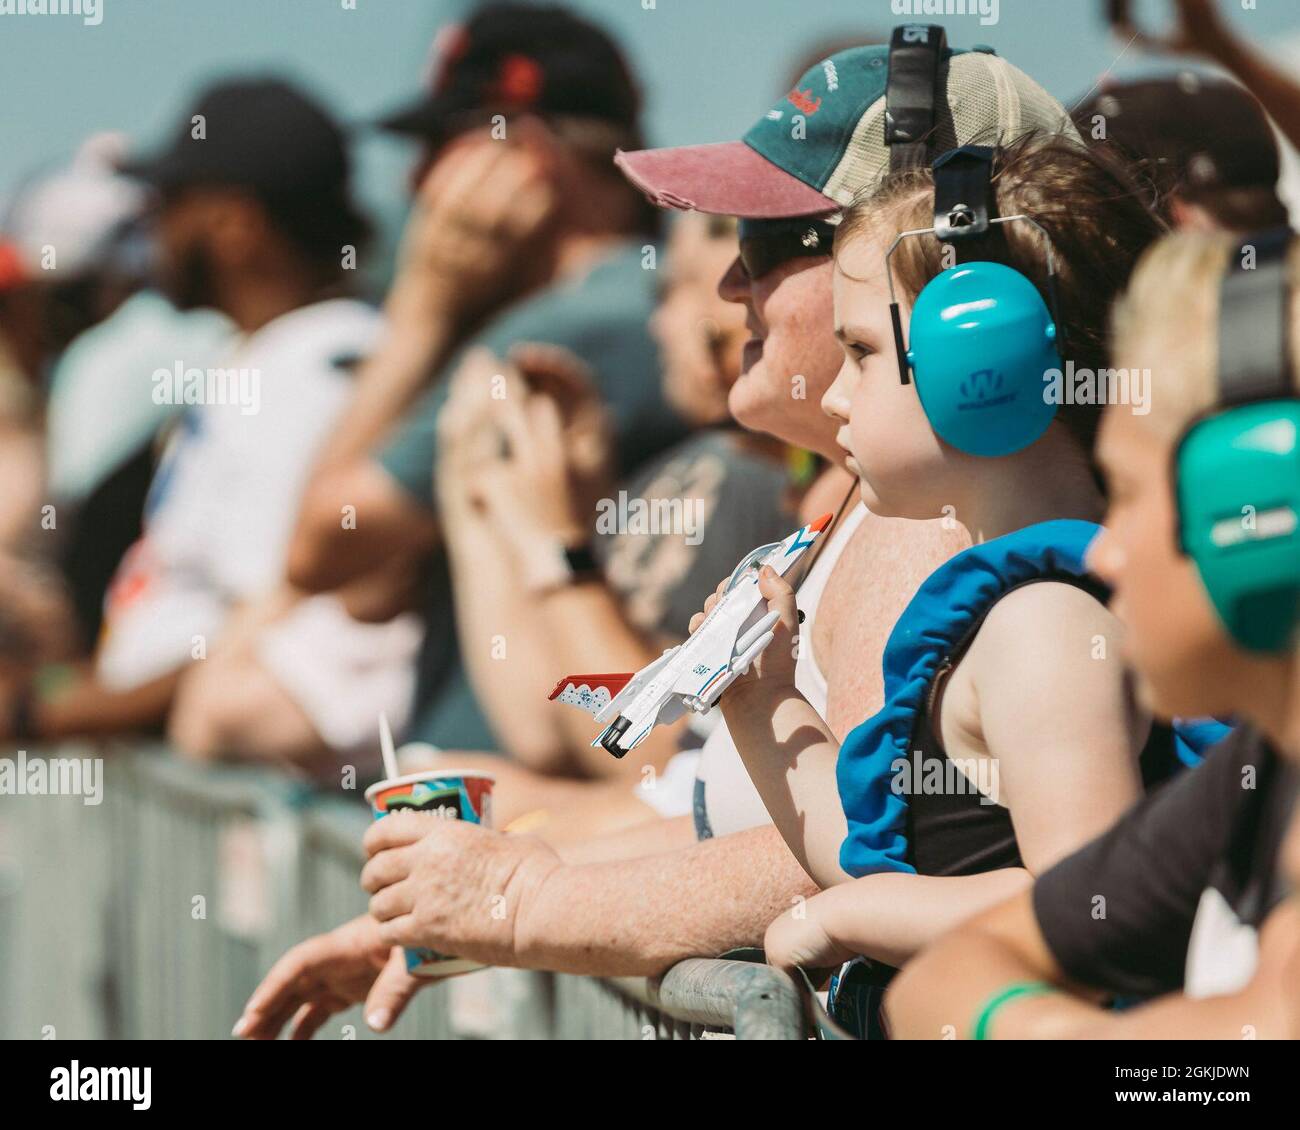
[939,619]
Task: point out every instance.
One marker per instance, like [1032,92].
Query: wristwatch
[561,564]
[581,561]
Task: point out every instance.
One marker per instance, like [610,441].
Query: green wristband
[1002,998]
[51,679]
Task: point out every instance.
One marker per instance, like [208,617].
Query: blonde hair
[1167,320]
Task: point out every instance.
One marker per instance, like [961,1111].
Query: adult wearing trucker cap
[637,906]
[832,137]
[836,134]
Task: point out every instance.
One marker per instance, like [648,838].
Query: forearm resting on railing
[942,992]
[658,835]
[88,709]
[887,917]
[638,917]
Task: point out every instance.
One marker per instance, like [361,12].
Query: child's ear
[1191,217]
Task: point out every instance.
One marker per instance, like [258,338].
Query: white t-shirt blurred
[223,504]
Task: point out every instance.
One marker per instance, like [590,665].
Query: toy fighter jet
[692,675]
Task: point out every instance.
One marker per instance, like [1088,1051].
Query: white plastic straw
[386,748]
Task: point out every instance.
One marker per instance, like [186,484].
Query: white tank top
[725,798]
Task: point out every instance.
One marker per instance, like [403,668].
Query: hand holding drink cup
[441,794]
[358,962]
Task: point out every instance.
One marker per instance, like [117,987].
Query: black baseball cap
[258,133]
[511,58]
[1194,133]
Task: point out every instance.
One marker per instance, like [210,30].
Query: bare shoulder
[1036,631]
[1044,608]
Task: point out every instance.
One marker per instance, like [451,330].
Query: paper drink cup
[442,794]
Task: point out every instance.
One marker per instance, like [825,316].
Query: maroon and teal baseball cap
[825,142]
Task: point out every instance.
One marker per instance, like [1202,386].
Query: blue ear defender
[983,339]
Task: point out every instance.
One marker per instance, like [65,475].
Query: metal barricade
[328,894]
[8,936]
[697,999]
[155,914]
[58,965]
[204,894]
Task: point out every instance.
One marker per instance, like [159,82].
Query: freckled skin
[890,556]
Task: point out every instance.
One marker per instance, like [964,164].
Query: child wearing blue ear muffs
[1009,734]
[1202,547]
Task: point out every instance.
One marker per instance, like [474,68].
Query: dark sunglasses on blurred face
[766,244]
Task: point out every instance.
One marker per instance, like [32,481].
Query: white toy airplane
[692,675]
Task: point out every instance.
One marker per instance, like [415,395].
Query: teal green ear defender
[1237,467]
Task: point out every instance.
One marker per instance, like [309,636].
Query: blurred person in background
[1200,29]
[521,232]
[524,472]
[104,426]
[63,267]
[1203,144]
[292,679]
[254,220]
[635,902]
[36,623]
[78,424]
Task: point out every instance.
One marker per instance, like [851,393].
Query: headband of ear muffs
[1237,467]
[983,339]
[917,53]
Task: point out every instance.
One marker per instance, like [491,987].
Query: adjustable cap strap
[1254,322]
[915,54]
[964,202]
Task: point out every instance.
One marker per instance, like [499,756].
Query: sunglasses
[766,244]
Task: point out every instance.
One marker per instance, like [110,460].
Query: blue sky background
[709,68]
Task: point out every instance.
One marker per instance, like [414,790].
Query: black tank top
[954,830]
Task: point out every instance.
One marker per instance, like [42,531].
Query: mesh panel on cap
[989,102]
